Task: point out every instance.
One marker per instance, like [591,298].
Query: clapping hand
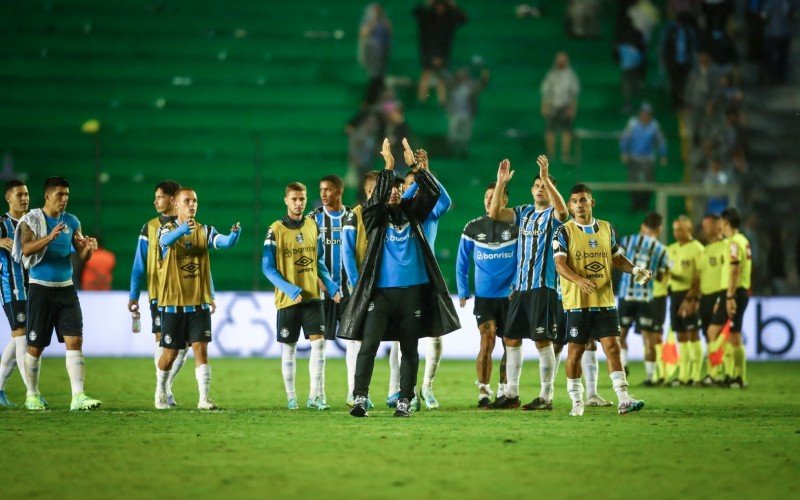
[386,152]
[504,172]
[408,154]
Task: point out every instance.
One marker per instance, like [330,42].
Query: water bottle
[136,326]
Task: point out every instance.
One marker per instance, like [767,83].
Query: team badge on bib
[593,243]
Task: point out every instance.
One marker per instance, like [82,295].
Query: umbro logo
[303,261]
[481,236]
[595,267]
[418,313]
[208,333]
[190,267]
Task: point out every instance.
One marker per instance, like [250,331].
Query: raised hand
[408,154]
[386,152]
[504,172]
[236,227]
[544,167]
[421,156]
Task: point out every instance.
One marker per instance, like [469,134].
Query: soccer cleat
[577,409]
[415,404]
[391,401]
[484,403]
[359,407]
[403,409]
[4,400]
[675,383]
[350,401]
[171,399]
[708,381]
[629,405]
[597,401]
[162,401]
[737,383]
[649,383]
[627,371]
[321,404]
[44,401]
[83,402]
[369,404]
[292,404]
[206,404]
[34,402]
[430,399]
[538,404]
[505,403]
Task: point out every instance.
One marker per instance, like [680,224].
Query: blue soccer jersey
[55,268]
[13,276]
[493,248]
[331,227]
[648,253]
[535,265]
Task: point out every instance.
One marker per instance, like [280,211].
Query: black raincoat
[376,214]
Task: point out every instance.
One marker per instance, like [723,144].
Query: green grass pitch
[687,442]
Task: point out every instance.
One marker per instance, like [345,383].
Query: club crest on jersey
[20,317]
[32,335]
[592,242]
[167,339]
[284,332]
[299,238]
[505,235]
[187,244]
[573,332]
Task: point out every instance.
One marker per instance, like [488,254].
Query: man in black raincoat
[399,281]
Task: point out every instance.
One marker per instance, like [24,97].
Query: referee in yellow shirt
[685,257]
[736,271]
[712,292]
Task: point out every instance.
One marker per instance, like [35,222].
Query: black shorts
[561,324]
[708,304]
[398,314]
[308,315]
[721,314]
[16,312]
[496,310]
[558,120]
[532,315]
[155,316]
[679,324]
[333,316]
[639,312]
[179,329]
[584,325]
[659,307]
[53,307]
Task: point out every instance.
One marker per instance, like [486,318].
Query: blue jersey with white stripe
[13,276]
[535,265]
[55,268]
[331,225]
[402,262]
[646,252]
[492,246]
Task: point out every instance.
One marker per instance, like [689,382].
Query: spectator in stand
[437,21]
[362,143]
[583,18]
[630,53]
[644,17]
[395,126]
[716,175]
[560,89]
[374,45]
[641,142]
[98,271]
[678,48]
[462,106]
[778,16]
[698,92]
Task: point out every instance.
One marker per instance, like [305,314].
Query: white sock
[203,375]
[161,381]
[547,361]
[157,352]
[575,389]
[623,356]
[513,371]
[180,360]
[21,344]
[590,369]
[7,363]
[76,370]
[501,390]
[650,369]
[433,356]
[32,364]
[316,368]
[484,390]
[620,385]
[289,368]
[351,356]
[394,369]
